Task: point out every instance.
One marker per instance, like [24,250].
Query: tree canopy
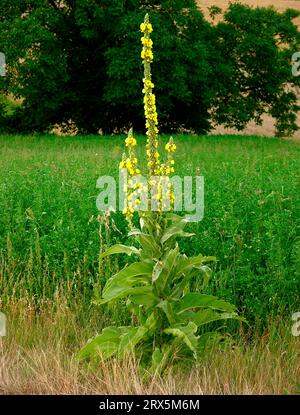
[79,60]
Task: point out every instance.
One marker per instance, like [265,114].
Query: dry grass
[37,357]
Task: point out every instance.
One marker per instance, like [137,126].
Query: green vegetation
[78,61]
[49,232]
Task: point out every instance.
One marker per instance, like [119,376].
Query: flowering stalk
[130,164]
[160,187]
[149,101]
[169,317]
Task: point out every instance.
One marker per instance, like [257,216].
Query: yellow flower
[170,147]
[130,141]
[130,161]
[149,27]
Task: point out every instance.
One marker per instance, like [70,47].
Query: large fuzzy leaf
[131,280]
[163,269]
[130,339]
[183,281]
[103,345]
[167,308]
[146,298]
[136,335]
[127,276]
[121,249]
[117,292]
[187,335]
[208,316]
[147,242]
[185,264]
[175,230]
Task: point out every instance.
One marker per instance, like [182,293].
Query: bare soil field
[268,125]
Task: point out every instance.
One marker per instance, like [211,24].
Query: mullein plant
[170,319]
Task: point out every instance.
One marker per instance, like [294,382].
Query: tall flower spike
[129,162]
[160,187]
[149,101]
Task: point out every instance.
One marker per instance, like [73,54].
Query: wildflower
[170,147]
[130,141]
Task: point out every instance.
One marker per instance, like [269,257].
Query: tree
[256,46]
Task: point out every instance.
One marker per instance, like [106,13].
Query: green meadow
[49,223]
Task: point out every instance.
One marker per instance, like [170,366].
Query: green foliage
[78,61]
[256,46]
[157,291]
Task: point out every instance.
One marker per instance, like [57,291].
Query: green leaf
[120,249]
[163,269]
[157,269]
[127,276]
[129,280]
[187,335]
[208,316]
[185,264]
[160,359]
[119,291]
[128,341]
[176,230]
[147,298]
[194,300]
[103,345]
[147,242]
[137,334]
[167,308]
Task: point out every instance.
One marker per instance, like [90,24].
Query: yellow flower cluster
[130,164]
[130,141]
[146,27]
[147,55]
[168,167]
[170,147]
